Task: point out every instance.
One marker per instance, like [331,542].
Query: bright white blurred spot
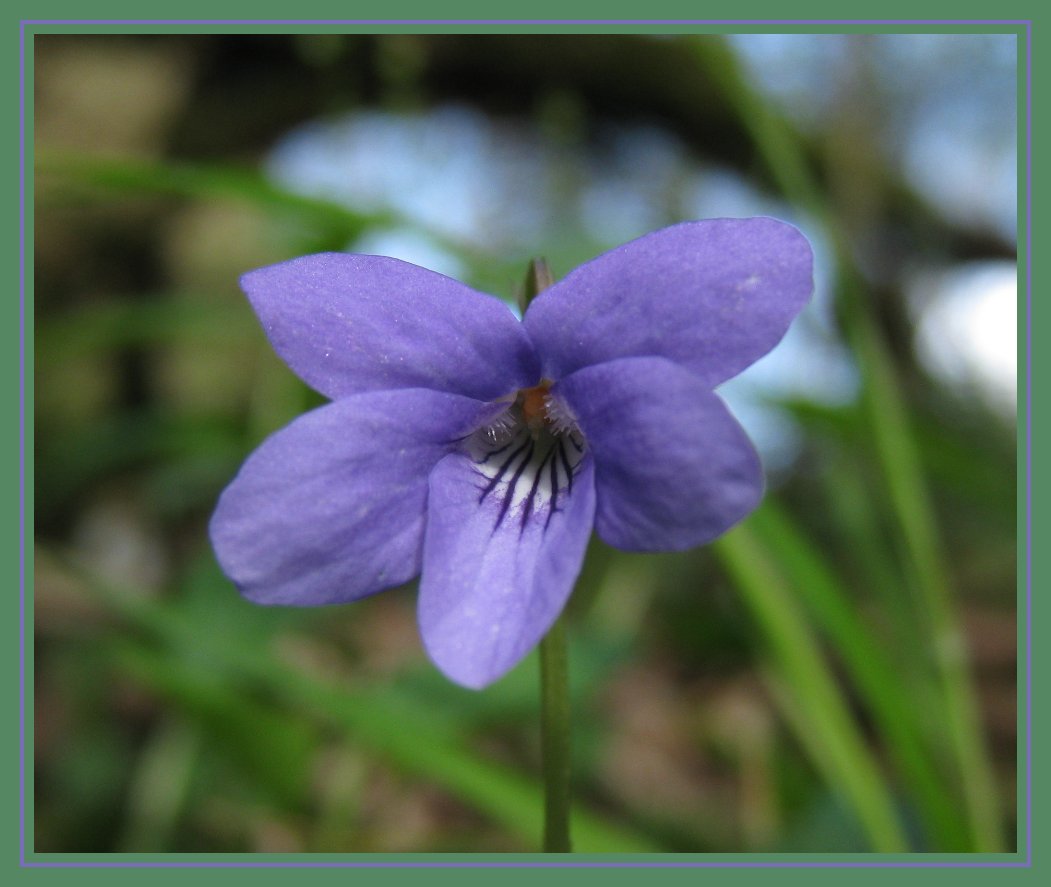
[409,245]
[719,193]
[807,365]
[967,330]
[777,437]
[801,71]
[451,170]
[965,167]
[945,105]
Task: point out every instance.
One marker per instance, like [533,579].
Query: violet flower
[479,451]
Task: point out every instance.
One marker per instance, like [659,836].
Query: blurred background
[836,674]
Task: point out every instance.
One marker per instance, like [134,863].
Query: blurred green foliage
[836,674]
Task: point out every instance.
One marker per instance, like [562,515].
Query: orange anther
[533,402]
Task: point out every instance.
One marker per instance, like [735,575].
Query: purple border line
[497,864]
[22,443]
[1026,22]
[791,864]
[1029,438]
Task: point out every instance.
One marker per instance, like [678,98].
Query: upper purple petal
[712,296]
[673,469]
[349,323]
[500,559]
[331,508]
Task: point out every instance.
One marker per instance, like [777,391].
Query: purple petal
[673,469]
[713,296]
[501,556]
[350,323]
[331,508]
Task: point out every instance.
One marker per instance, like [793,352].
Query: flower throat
[527,457]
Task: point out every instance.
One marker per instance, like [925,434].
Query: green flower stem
[554,738]
[554,670]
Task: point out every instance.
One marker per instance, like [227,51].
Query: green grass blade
[103,326]
[389,726]
[884,404]
[876,676]
[846,762]
[137,177]
[159,785]
[917,538]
